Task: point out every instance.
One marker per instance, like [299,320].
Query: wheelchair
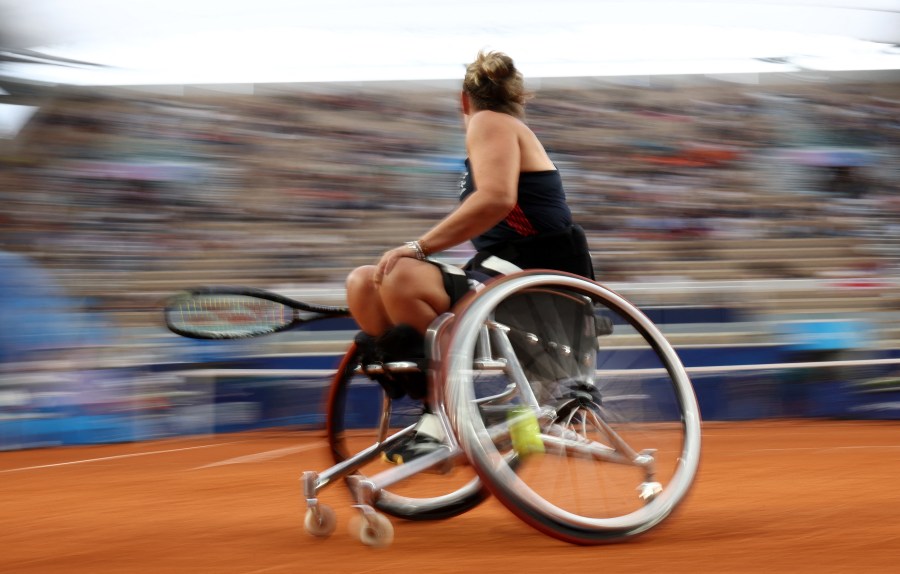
[557,396]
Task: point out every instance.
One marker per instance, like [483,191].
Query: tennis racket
[240,313]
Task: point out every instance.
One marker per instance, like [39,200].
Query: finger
[380,269]
[389,262]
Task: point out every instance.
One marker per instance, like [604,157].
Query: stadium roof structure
[160,42]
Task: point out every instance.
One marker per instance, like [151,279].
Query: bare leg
[413,293]
[364,300]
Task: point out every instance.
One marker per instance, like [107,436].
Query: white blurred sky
[227,41]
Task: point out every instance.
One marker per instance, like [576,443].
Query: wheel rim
[352,417]
[549,491]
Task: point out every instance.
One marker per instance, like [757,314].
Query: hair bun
[493,83]
[496,67]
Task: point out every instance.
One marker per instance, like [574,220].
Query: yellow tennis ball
[525,432]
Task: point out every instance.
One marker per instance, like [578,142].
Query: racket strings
[229,314]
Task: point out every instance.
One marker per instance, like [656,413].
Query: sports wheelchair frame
[557,396]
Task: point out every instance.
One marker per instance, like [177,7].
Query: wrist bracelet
[417,247]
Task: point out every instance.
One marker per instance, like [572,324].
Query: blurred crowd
[113,200]
[125,197]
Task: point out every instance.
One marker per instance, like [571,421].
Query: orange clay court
[771,496]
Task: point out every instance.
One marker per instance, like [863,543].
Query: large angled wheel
[571,406]
[360,417]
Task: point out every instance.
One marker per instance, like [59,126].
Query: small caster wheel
[320,522]
[372,530]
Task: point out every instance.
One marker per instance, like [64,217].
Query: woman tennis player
[512,208]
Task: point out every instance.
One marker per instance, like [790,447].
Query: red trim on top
[517,220]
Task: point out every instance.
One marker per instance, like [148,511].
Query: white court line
[118,456]
[263,456]
[854,447]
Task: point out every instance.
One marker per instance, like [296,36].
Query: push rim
[514,486]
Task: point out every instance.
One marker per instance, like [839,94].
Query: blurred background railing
[762,221]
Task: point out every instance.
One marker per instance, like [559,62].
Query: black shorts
[566,250]
[473,276]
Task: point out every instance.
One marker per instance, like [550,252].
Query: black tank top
[541,207]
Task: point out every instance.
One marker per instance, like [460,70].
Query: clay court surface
[773,496]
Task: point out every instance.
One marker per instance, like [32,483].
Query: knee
[360,280]
[404,280]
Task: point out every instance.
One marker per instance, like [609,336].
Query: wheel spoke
[619,423]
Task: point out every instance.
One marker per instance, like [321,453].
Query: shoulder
[490,120]
[494,127]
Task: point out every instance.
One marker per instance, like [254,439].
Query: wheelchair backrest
[553,333]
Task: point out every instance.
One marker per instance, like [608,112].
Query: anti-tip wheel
[321,522]
[372,530]
[649,490]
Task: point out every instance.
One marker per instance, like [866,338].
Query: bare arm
[493,149]
[494,156]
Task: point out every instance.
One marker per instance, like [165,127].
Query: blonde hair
[493,83]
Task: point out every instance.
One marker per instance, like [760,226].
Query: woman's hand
[389,259]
